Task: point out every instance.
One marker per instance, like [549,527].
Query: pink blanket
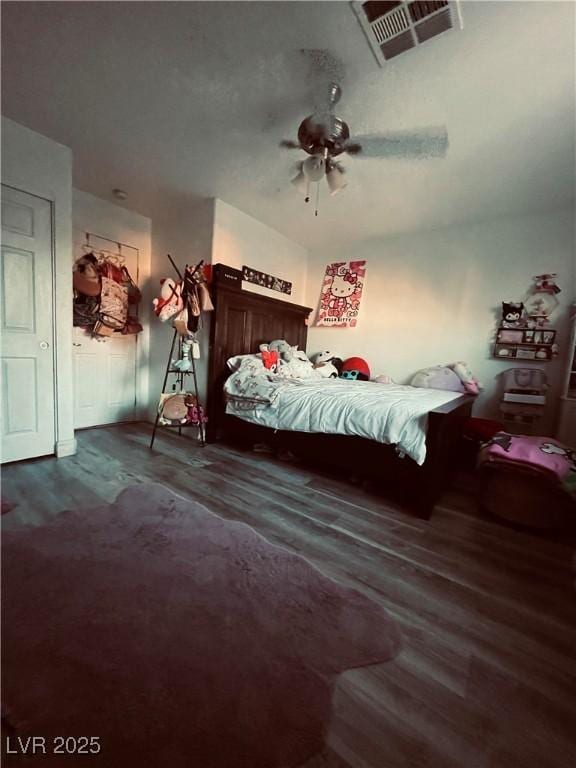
[538,453]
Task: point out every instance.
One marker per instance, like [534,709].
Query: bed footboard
[415,487]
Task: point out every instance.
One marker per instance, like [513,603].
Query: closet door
[26,312]
[104,379]
[105,372]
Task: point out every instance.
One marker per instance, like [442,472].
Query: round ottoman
[524,497]
[474,433]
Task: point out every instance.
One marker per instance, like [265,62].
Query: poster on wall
[266,281]
[341,294]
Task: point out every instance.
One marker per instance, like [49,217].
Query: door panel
[18,306]
[104,369]
[26,318]
[104,380]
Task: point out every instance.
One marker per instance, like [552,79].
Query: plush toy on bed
[455,377]
[285,351]
[355,368]
[328,364]
[470,383]
[292,363]
[383,378]
[269,358]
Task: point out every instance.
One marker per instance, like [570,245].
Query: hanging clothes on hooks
[196,294]
[102,299]
[182,302]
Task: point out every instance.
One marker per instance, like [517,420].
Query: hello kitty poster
[341,294]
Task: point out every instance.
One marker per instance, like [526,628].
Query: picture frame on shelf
[528,336]
[522,353]
[510,335]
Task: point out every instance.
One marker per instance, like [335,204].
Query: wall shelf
[534,344]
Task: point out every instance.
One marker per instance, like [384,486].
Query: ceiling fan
[324,136]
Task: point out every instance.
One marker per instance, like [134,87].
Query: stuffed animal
[455,377]
[185,363]
[195,413]
[269,357]
[284,350]
[469,381]
[328,363]
[383,378]
[512,314]
[355,368]
[173,409]
[327,370]
[170,305]
[299,354]
[438,377]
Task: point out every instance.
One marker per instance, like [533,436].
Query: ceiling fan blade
[296,167]
[421,143]
[288,144]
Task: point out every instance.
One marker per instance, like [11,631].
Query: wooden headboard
[241,321]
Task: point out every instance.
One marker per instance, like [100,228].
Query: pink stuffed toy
[170,305]
[469,381]
[455,377]
[170,302]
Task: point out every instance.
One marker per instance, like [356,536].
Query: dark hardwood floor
[487,676]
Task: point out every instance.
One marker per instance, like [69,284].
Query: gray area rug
[175,637]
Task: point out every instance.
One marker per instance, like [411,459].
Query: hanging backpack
[113,306]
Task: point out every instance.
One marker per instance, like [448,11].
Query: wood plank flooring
[487,676]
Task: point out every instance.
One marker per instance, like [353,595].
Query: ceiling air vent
[396,26]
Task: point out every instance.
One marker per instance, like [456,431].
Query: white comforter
[387,413]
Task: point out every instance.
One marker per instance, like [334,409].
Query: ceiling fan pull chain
[317,198]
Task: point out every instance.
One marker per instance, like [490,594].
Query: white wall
[240,240]
[101,217]
[433,298]
[216,232]
[186,234]
[40,166]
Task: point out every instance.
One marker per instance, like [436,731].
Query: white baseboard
[65,448]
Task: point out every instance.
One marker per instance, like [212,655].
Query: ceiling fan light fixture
[301,182]
[314,167]
[336,180]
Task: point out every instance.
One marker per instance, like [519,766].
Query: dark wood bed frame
[243,320]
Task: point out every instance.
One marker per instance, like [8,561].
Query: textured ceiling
[173,101]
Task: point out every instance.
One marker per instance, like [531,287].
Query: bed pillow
[235,362]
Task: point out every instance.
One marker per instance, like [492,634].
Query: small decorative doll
[512,314]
